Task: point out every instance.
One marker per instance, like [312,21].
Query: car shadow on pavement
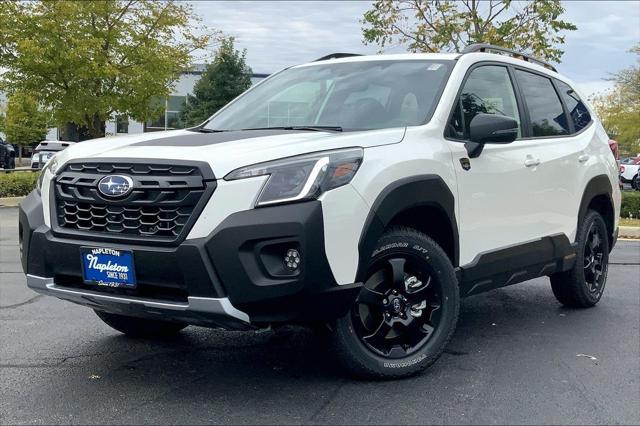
[196,355]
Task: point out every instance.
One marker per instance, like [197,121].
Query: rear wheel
[12,163]
[406,312]
[583,285]
[140,327]
[635,182]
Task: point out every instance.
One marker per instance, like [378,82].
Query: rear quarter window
[577,110]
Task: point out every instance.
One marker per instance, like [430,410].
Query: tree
[2,119]
[224,79]
[25,123]
[619,108]
[86,60]
[447,25]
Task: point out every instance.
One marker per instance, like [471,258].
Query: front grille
[165,200]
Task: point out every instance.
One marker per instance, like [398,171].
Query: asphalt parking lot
[517,357]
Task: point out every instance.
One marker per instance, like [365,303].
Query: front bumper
[205,311]
[233,278]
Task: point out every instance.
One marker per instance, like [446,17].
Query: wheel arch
[598,196]
[423,202]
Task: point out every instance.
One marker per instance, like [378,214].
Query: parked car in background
[45,151]
[629,171]
[7,155]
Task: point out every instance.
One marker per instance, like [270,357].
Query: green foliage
[2,120]
[17,184]
[448,25]
[223,80]
[619,109]
[86,60]
[24,122]
[630,205]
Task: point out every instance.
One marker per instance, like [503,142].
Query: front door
[501,196]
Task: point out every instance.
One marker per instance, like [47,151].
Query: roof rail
[489,48]
[336,56]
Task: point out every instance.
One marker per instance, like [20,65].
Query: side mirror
[490,128]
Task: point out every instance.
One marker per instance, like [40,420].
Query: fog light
[292,260]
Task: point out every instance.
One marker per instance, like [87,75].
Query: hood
[226,151]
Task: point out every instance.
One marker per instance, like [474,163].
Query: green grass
[17,184]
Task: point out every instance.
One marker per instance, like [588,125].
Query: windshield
[348,96]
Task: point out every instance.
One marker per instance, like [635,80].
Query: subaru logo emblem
[113,186]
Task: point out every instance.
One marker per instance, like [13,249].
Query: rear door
[557,150]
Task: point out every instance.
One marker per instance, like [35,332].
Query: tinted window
[545,110]
[487,90]
[578,111]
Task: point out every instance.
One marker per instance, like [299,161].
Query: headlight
[50,167]
[304,177]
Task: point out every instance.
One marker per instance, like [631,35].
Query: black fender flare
[401,195]
[598,185]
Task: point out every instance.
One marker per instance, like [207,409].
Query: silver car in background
[45,151]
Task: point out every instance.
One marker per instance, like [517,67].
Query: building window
[169,118]
[122,124]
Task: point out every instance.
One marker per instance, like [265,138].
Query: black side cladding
[598,186]
[515,264]
[402,195]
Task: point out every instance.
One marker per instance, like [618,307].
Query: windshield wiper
[310,128]
[205,130]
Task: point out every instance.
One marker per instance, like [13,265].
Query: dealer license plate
[108,267]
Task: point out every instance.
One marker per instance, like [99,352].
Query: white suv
[366,193]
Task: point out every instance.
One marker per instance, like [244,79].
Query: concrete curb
[10,201]
[629,232]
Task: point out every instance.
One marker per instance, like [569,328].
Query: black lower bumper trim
[241,260]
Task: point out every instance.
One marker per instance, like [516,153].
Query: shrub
[17,184]
[630,204]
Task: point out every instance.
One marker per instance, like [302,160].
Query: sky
[278,34]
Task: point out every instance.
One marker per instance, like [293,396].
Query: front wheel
[583,285]
[140,327]
[635,182]
[406,312]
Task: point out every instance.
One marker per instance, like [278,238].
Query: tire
[140,327]
[12,163]
[635,182]
[583,285]
[393,331]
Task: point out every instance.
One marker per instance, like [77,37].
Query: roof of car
[496,53]
[383,57]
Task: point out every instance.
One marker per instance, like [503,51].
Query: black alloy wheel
[399,306]
[406,312]
[595,268]
[583,285]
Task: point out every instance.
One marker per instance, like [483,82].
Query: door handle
[531,162]
[583,158]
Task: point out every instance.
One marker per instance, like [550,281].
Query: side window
[488,90]
[577,110]
[545,110]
